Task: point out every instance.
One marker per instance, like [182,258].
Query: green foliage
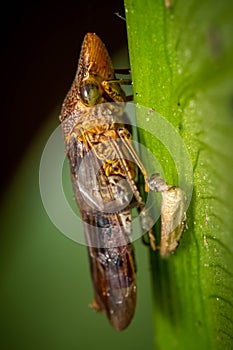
[181,62]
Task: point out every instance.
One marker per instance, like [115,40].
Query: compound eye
[90,94]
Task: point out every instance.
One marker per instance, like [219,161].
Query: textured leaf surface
[181,62]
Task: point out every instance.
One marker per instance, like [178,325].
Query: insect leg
[118,81]
[127,143]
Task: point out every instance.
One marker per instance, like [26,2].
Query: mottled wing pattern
[102,180]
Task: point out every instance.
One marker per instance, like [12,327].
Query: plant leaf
[181,62]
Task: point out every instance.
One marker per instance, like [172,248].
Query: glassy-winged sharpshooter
[101,157]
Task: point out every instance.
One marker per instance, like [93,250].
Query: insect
[102,159]
[173,213]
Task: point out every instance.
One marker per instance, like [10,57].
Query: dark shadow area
[40,46]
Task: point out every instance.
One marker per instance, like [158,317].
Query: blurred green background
[45,286]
